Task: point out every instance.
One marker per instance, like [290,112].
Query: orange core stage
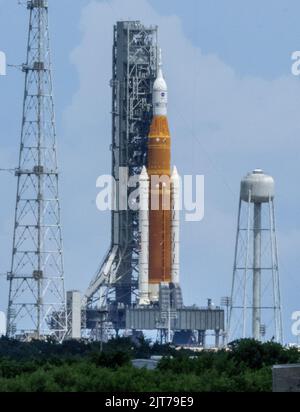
[159,166]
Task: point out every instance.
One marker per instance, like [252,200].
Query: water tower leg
[256,321]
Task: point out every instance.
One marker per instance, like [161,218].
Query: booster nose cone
[160,92]
[144,175]
[175,175]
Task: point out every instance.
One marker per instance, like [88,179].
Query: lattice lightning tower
[36,306]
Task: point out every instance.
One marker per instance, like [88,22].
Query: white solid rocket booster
[175,227]
[144,238]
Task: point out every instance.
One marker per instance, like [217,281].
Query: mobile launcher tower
[137,286]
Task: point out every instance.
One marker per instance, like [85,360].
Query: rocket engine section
[162,228]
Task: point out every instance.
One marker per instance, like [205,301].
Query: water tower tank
[259,185]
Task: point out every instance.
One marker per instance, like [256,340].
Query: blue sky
[233,107]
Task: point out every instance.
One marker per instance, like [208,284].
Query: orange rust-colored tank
[159,166]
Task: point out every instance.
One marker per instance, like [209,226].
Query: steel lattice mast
[36,304]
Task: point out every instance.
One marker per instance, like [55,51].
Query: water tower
[255,296]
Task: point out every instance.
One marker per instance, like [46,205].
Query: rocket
[159,204]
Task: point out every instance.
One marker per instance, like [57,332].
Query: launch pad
[196,321]
[137,287]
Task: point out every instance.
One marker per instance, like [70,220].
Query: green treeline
[81,367]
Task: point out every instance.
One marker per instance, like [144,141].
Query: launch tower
[134,72]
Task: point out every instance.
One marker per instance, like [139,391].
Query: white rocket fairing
[160,92]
